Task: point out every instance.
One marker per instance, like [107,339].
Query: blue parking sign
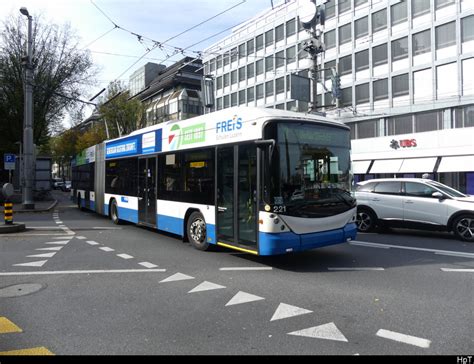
[9,161]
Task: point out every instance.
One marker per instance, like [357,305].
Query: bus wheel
[114,213]
[196,229]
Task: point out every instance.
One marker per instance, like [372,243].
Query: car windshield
[309,174]
[446,189]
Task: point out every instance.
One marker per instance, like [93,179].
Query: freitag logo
[173,137]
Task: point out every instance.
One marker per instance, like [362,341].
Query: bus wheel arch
[196,229]
[113,212]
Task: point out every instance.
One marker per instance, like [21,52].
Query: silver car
[414,203]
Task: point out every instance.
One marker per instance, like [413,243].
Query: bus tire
[196,231]
[114,215]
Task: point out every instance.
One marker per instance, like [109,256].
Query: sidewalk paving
[40,206]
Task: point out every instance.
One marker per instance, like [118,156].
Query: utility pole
[29,162]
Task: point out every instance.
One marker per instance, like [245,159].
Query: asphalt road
[74,283]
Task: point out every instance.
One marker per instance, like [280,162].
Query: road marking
[355,268]
[244,268]
[63,237]
[436,251]
[285,311]
[327,331]
[206,286]
[460,270]
[124,256]
[40,350]
[106,228]
[176,277]
[107,249]
[81,272]
[92,242]
[81,237]
[406,339]
[45,255]
[243,297]
[6,326]
[52,248]
[39,263]
[24,234]
[59,222]
[60,242]
[148,265]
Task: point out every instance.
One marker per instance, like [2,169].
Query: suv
[414,203]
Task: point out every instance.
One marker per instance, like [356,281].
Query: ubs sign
[403,143]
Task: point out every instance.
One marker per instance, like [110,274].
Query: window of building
[362,60]
[445,35]
[233,54]
[400,85]
[280,85]
[226,58]
[330,9]
[250,46]
[280,59]
[447,80]
[269,88]
[291,55]
[219,62]
[345,65]
[259,41]
[399,125]
[344,5]
[219,83]
[379,55]
[268,63]
[280,106]
[420,7]
[226,79]
[464,117]
[219,103]
[327,69]
[233,99]
[290,27]
[380,89]
[398,13]
[279,33]
[259,67]
[212,65]
[362,94]
[269,38]
[467,28]
[399,49]
[226,101]
[421,42]
[359,2]
[428,121]
[361,27]
[250,70]
[442,3]
[291,105]
[379,20]
[366,129]
[242,48]
[330,39]
[302,54]
[259,91]
[233,77]
[346,96]
[250,94]
[345,34]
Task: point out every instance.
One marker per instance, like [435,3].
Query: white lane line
[31,264]
[45,255]
[206,286]
[81,237]
[92,242]
[285,311]
[355,268]
[327,331]
[406,339]
[59,222]
[244,268]
[82,272]
[124,256]
[106,228]
[148,265]
[176,277]
[459,270]
[52,248]
[60,242]
[107,249]
[436,251]
[243,297]
[62,237]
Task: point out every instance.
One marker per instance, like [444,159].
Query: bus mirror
[266,143]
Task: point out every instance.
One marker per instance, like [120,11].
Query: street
[76,284]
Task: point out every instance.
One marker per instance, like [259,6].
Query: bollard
[8,210]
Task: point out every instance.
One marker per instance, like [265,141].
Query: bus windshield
[308,174]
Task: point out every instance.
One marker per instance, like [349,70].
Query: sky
[114,51]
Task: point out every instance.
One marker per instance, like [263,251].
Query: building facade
[407,85]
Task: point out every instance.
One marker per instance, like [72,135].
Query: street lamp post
[29,159]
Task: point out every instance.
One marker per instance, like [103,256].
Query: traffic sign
[9,161]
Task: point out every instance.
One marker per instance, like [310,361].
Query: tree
[92,136]
[61,73]
[121,114]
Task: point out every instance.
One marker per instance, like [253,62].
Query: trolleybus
[260,181]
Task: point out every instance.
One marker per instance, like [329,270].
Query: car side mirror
[438,195]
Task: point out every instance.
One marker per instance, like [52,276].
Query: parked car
[57,182]
[66,186]
[414,203]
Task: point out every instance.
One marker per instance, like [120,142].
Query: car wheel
[366,220]
[197,232]
[114,213]
[463,228]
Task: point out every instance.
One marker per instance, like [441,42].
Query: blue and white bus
[260,181]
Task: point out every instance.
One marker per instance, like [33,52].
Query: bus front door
[146,191]
[237,197]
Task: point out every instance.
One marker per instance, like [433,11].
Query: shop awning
[386,166]
[418,165]
[457,164]
[360,167]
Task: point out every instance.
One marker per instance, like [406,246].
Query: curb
[15,228]
[53,204]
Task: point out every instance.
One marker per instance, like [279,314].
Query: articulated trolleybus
[260,181]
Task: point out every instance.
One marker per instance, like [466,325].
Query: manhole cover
[20,289]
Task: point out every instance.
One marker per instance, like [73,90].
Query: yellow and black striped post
[8,210]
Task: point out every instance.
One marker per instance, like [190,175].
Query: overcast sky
[159,20]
